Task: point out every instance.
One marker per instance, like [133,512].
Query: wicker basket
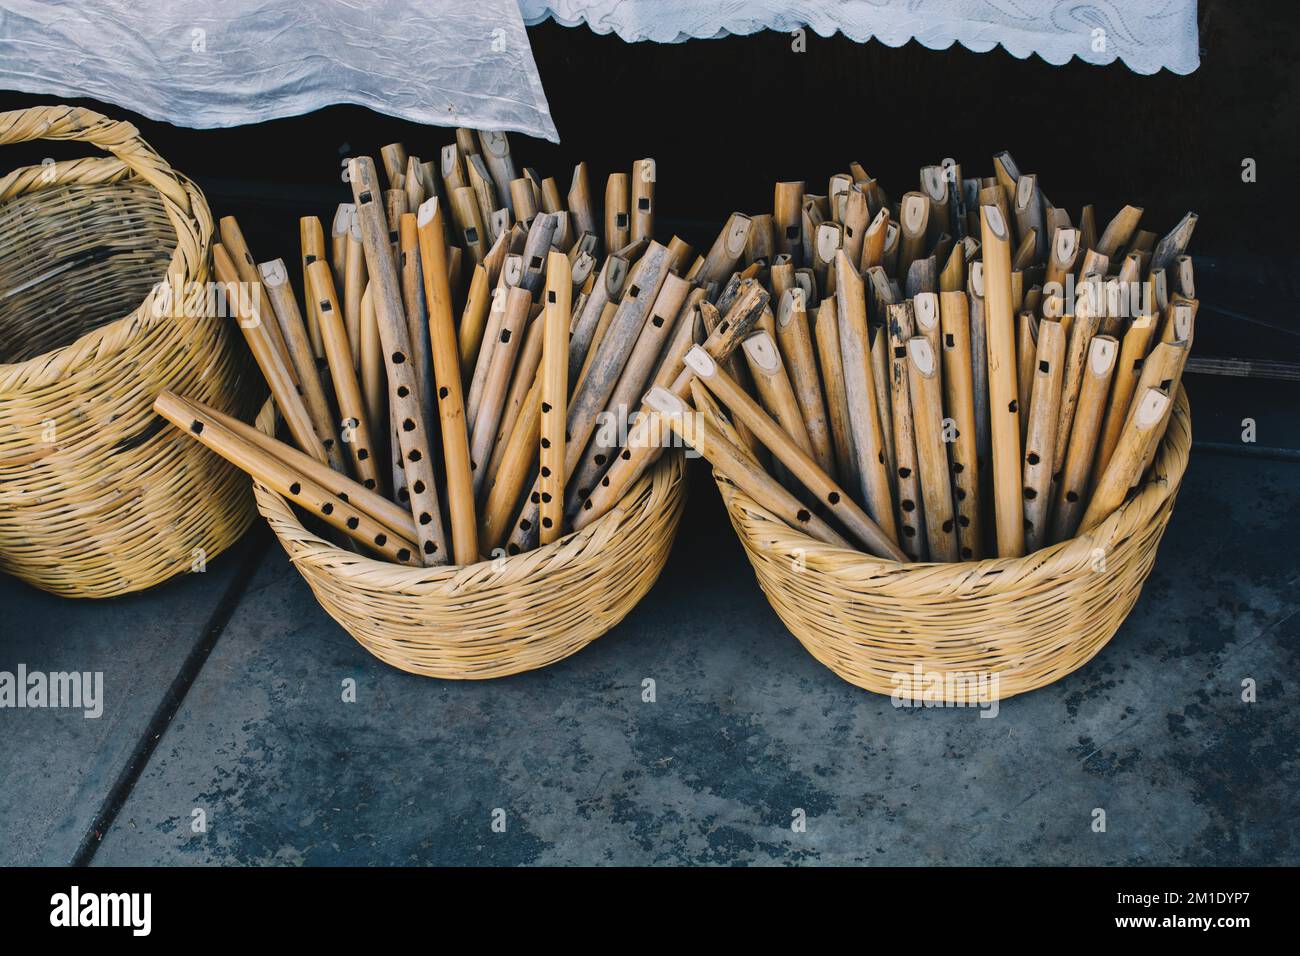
[97,497]
[500,617]
[1030,620]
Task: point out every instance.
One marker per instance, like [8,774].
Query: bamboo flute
[336,511]
[873,241]
[959,400]
[415,305]
[485,195]
[774,389]
[500,164]
[789,452]
[374,382]
[431,239]
[1174,244]
[1026,353]
[386,290]
[618,226]
[1141,435]
[275,279]
[856,221]
[632,384]
[394,158]
[726,250]
[311,236]
[523,201]
[579,200]
[473,320]
[354,284]
[509,279]
[642,448]
[737,468]
[392,516]
[1128,368]
[794,338]
[245,271]
[931,454]
[1070,500]
[952,278]
[911,503]
[1030,216]
[555,389]
[686,332]
[339,230]
[415,185]
[354,428]
[1004,414]
[1060,263]
[643,199]
[470,225]
[485,419]
[787,216]
[980,374]
[914,215]
[1119,231]
[934,186]
[864,415]
[521,383]
[1086,324]
[884,404]
[536,248]
[827,334]
[284,388]
[1041,438]
[608,288]
[592,395]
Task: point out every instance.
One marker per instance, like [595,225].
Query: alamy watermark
[72,690]
[938,688]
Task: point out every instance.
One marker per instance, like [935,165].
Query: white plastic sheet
[1146,34]
[210,63]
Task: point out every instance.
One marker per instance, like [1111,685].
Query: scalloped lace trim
[1148,35]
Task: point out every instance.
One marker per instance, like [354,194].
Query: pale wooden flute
[864,415]
[410,266]
[1062,256]
[790,453]
[643,199]
[1041,437]
[354,427]
[501,165]
[856,220]
[374,382]
[592,395]
[873,241]
[413,437]
[794,339]
[354,284]
[339,230]
[485,196]
[1128,367]
[1026,353]
[275,279]
[1070,500]
[787,215]
[827,334]
[934,186]
[914,215]
[1141,436]
[642,449]
[958,387]
[521,383]
[509,334]
[932,457]
[394,158]
[311,237]
[580,208]
[911,504]
[335,510]
[884,404]
[608,288]
[773,387]
[1086,325]
[523,201]
[1004,414]
[737,468]
[618,226]
[431,237]
[470,225]
[511,272]
[1174,244]
[232,238]
[726,250]
[555,394]
[283,386]
[632,384]
[536,247]
[1030,217]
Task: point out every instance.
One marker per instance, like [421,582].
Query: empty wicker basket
[497,617]
[1029,620]
[97,497]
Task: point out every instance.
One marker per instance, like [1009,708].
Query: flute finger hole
[418,487]
[804,515]
[430,547]
[381,540]
[398,358]
[425,517]
[1071,496]
[1031,494]
[403,391]
[908,505]
[442,392]
[404,554]
[833,497]
[354,523]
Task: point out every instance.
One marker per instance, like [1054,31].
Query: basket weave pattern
[97,497]
[499,617]
[1030,620]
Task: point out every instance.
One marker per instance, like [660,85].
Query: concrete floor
[746,730]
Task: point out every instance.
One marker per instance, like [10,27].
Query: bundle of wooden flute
[463,337]
[966,372]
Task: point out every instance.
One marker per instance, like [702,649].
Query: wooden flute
[336,511]
[312,239]
[1004,412]
[643,198]
[1044,419]
[496,381]
[959,400]
[275,279]
[554,395]
[911,503]
[787,215]
[245,267]
[794,338]
[738,468]
[864,415]
[431,237]
[354,429]
[618,226]
[1141,436]
[1073,487]
[931,452]
[413,437]
[827,334]
[790,453]
[276,372]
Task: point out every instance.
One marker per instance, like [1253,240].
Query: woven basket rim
[569,547]
[133,162]
[856,568]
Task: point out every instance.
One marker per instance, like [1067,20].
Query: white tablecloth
[1146,34]
[207,63]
